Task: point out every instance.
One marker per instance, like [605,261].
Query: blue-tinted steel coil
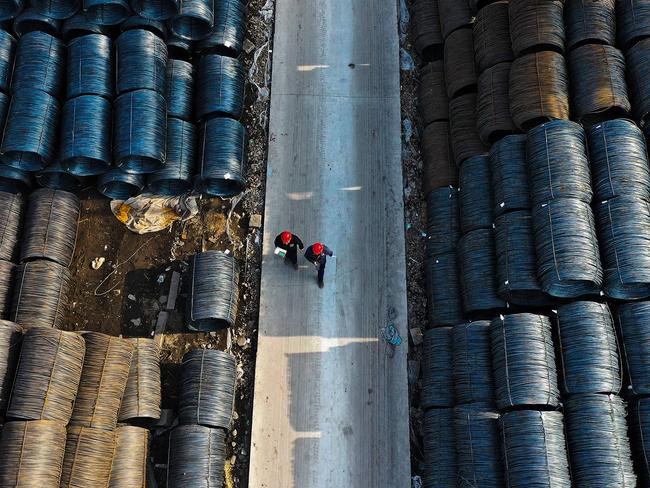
[536,26]
[140,130]
[107,12]
[7,52]
[15,180]
[178,48]
[137,22]
[599,448]
[633,320]
[56,9]
[156,10]
[194,20]
[639,423]
[40,64]
[589,23]
[619,160]
[492,43]
[90,66]
[443,227]
[465,141]
[175,178]
[509,174]
[141,61]
[475,195]
[556,153]
[29,138]
[85,148]
[534,450]
[439,463]
[57,177]
[624,239]
[588,349]
[222,157]
[179,93]
[12,210]
[4,109]
[80,25]
[119,185]
[437,387]
[219,86]
[493,119]
[632,22]
[516,261]
[10,9]
[30,20]
[472,363]
[638,78]
[444,302]
[196,457]
[227,36]
[523,360]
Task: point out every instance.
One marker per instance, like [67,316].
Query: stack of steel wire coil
[129,468]
[473,380]
[185,468]
[142,394]
[10,341]
[12,209]
[437,389]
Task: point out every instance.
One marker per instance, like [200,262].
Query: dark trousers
[321,271]
[292,254]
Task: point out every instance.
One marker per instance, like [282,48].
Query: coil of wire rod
[472,364]
[493,119]
[40,64]
[186,469]
[638,78]
[440,170]
[444,303]
[207,388]
[175,178]
[624,236]
[179,92]
[539,89]
[9,9]
[141,401]
[119,185]
[599,448]
[178,48]
[156,10]
[509,174]
[47,375]
[465,141]
[588,349]
[523,360]
[56,177]
[439,456]
[141,61]
[32,453]
[51,226]
[56,9]
[194,20]
[137,22]
[433,104]
[534,449]
[632,22]
[453,15]
[219,87]
[12,209]
[222,157]
[639,424]
[103,380]
[536,25]
[492,36]
[13,180]
[90,66]
[140,131]
[88,457]
[30,20]
[443,227]
[475,197]
[229,30]
[589,22]
[437,387]
[10,339]
[558,167]
[476,428]
[80,25]
[427,35]
[460,71]
[632,319]
[129,468]
[7,52]
[6,287]
[107,12]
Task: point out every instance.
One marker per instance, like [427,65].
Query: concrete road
[331,403]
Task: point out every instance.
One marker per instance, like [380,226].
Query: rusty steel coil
[12,209]
[465,141]
[433,103]
[141,401]
[426,29]
[454,14]
[11,335]
[7,270]
[88,458]
[460,70]
[536,25]
[129,468]
[439,167]
[493,108]
[492,36]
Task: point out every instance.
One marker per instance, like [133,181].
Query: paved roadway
[331,403]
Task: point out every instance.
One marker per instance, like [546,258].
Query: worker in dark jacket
[317,254]
[290,243]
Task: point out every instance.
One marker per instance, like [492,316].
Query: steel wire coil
[599,448]
[56,177]
[536,25]
[141,400]
[178,48]
[4,108]
[534,449]
[103,380]
[7,53]
[639,425]
[443,226]
[7,270]
[107,12]
[624,236]
[186,469]
[175,178]
[179,92]
[88,457]
[427,35]
[222,157]
[219,87]
[119,185]
[440,170]
[453,15]
[439,448]
[12,209]
[475,197]
[140,131]
[509,174]
[539,89]
[137,22]
[493,120]
[85,142]
[523,360]
[51,222]
[90,67]
[444,302]
[11,336]
[632,320]
[30,20]
[194,20]
[141,61]
[516,264]
[229,30]
[638,78]
[32,454]
[465,141]
[39,65]
[433,104]
[129,469]
[632,22]
[29,137]
[40,296]
[478,451]
[80,25]
[473,380]
[207,388]
[492,36]
[47,375]
[15,180]
[56,9]
[214,291]
[437,386]
[10,8]
[156,10]
[460,70]
[589,22]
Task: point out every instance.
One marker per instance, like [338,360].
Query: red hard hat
[318,248]
[285,237]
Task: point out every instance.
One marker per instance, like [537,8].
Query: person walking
[317,255]
[290,243]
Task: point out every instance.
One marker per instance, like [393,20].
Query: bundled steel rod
[7,53]
[129,468]
[639,424]
[453,15]
[632,22]
[14,180]
[119,185]
[90,67]
[141,61]
[12,209]
[444,303]
[229,30]
[443,228]
[439,167]
[107,12]
[433,104]
[493,106]
[427,35]
[47,375]
[32,454]
[186,469]
[80,25]
[638,77]
[219,87]
[40,64]
[137,22]
[7,270]
[155,9]
[11,336]
[56,177]
[460,70]
[536,25]
[88,457]
[103,380]
[30,20]
[439,463]
[56,9]
[141,400]
[175,178]
[509,174]
[437,387]
[588,22]
[194,20]
[465,141]
[11,8]
[179,91]
[472,363]
[475,195]
[492,36]
[207,388]
[632,320]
